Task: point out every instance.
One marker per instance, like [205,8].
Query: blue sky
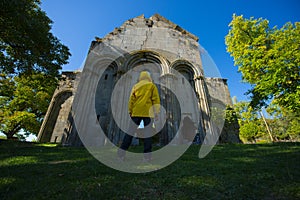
[76,23]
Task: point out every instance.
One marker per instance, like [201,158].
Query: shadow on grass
[265,171]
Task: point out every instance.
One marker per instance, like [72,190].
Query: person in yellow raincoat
[143,105]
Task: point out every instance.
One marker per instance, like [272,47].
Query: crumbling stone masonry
[154,40]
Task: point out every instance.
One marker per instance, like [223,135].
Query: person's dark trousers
[132,128]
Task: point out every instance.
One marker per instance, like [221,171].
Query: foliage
[285,125]
[37,171]
[30,60]
[230,115]
[249,131]
[268,58]
[24,102]
[251,127]
[26,43]
[245,112]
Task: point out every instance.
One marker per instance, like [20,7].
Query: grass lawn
[260,171]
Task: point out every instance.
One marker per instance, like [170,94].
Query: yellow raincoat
[144,99]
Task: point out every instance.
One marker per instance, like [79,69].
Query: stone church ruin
[137,44]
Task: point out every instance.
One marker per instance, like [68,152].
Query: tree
[26,43]
[251,126]
[30,60]
[249,131]
[285,125]
[24,102]
[268,58]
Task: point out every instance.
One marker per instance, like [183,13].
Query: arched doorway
[54,128]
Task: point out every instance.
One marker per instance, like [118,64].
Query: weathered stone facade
[57,124]
[141,41]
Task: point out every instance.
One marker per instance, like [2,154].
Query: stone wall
[218,90]
[136,44]
[55,126]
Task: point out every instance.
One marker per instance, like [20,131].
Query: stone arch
[157,65]
[99,66]
[168,98]
[103,94]
[147,56]
[187,70]
[189,73]
[52,129]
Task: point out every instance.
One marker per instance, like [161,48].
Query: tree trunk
[10,135]
[267,126]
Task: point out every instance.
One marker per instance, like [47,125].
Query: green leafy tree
[285,125]
[25,103]
[249,131]
[26,43]
[294,129]
[251,126]
[30,60]
[268,58]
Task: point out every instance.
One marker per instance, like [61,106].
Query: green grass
[44,171]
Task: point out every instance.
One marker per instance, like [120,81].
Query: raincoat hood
[144,75]
[144,99]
